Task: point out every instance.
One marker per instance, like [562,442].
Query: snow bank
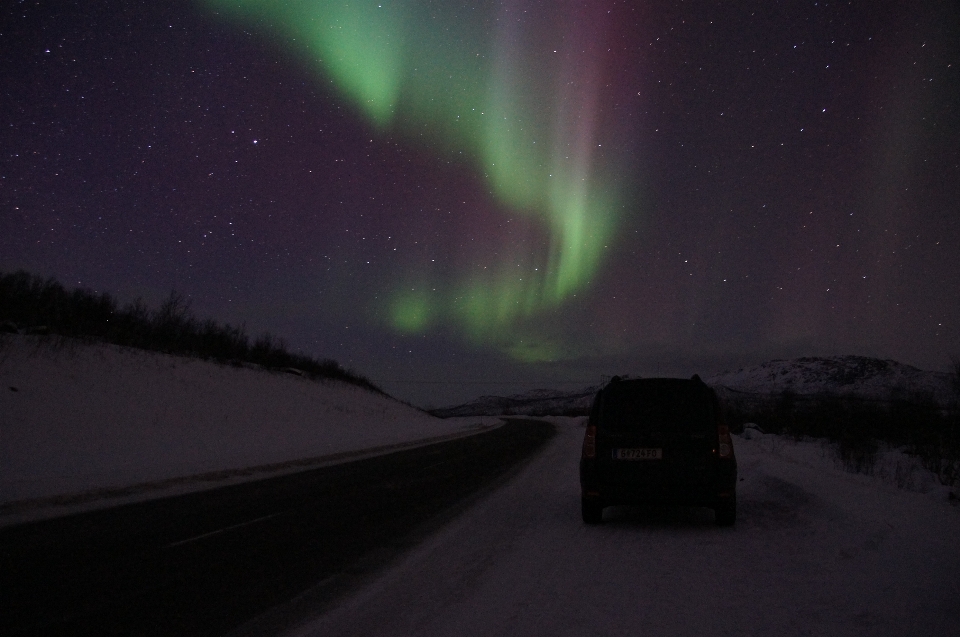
[76,417]
[893,467]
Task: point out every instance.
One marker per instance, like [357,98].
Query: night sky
[464,198]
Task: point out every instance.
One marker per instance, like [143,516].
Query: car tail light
[590,442]
[726,443]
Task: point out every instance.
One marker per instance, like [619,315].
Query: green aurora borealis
[518,94]
[461,198]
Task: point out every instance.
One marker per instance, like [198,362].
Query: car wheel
[726,512]
[591,510]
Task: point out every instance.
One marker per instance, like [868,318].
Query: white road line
[226,528]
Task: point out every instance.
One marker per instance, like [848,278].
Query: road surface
[203,563]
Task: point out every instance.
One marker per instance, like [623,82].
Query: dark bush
[28,302]
[859,426]
[858,454]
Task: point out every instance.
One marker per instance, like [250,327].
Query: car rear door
[656,436]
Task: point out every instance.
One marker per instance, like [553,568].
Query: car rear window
[676,405]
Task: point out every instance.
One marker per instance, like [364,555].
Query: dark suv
[657,440]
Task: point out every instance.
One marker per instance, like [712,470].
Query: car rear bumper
[709,493]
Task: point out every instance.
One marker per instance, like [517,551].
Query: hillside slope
[538,402]
[847,376]
[76,417]
[844,376]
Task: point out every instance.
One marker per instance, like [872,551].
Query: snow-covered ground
[89,419]
[893,467]
[816,551]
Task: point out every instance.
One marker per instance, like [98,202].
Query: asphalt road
[205,563]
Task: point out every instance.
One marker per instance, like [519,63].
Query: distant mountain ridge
[538,402]
[843,376]
[858,377]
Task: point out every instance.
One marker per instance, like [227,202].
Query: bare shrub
[28,301]
[858,455]
[858,427]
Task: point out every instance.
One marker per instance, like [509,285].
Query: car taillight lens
[726,443]
[590,442]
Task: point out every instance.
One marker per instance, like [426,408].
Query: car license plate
[637,454]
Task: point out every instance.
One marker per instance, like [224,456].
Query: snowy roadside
[92,425]
[816,551]
[893,469]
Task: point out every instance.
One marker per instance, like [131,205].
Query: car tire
[591,510]
[726,512]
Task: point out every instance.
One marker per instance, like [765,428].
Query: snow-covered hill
[847,376]
[538,402]
[844,376]
[78,418]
